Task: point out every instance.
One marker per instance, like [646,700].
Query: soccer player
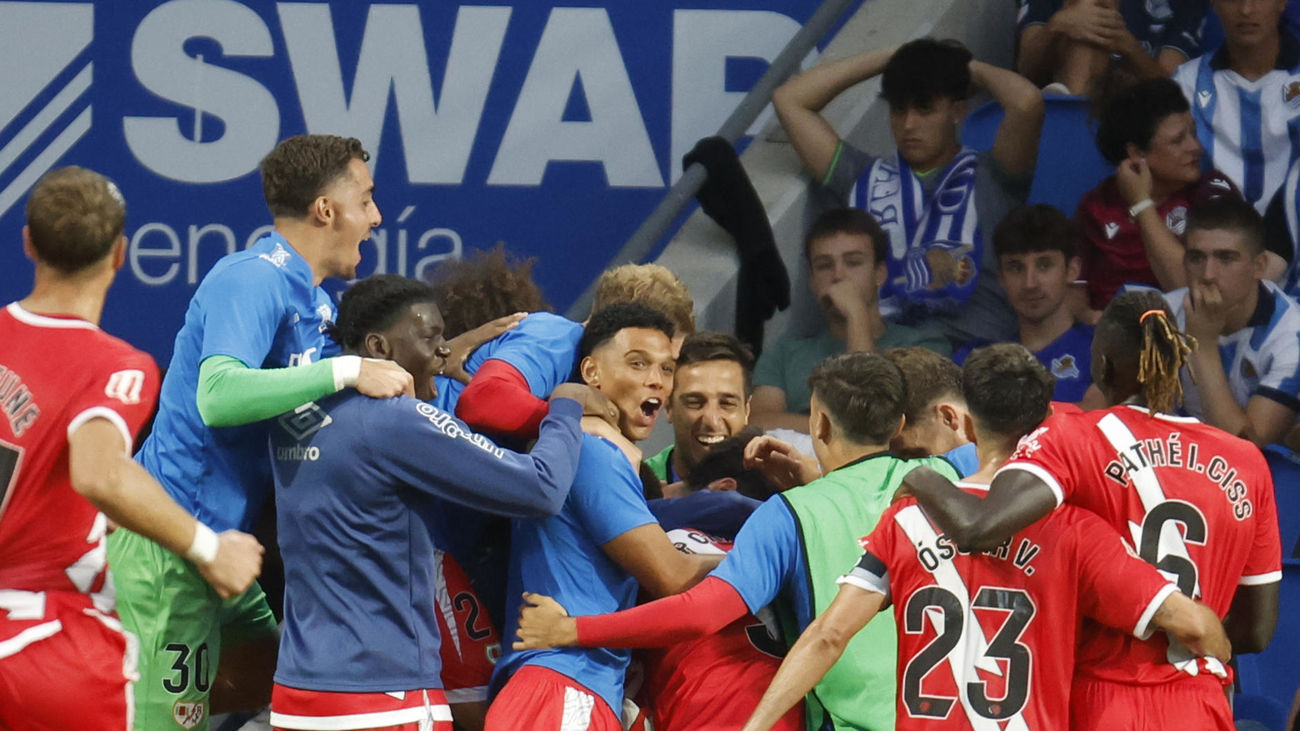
[709,402]
[74,398]
[359,489]
[1035,246]
[1190,499]
[848,260]
[937,200]
[792,548]
[1131,225]
[252,347]
[603,544]
[1243,96]
[987,639]
[1248,385]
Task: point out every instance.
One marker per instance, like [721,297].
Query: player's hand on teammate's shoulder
[384,379]
[594,403]
[463,346]
[544,624]
[238,563]
[780,462]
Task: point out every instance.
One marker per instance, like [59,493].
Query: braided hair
[1143,324]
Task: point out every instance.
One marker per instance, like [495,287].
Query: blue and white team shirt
[262,307]
[561,557]
[360,484]
[1250,129]
[543,348]
[1261,359]
[1068,358]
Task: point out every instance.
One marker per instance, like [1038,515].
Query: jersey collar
[1264,308]
[64,322]
[863,458]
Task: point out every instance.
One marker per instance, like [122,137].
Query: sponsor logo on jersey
[1291,93]
[35,131]
[297,453]
[1176,220]
[1203,98]
[125,386]
[304,421]
[1064,367]
[188,714]
[279,257]
[1112,228]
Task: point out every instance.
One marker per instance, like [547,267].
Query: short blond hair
[652,285]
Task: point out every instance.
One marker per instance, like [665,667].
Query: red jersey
[1194,501]
[986,641]
[57,373]
[1111,243]
[715,681]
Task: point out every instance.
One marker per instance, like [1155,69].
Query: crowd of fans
[1015,430]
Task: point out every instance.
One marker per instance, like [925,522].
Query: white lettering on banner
[436,143]
[245,107]
[394,248]
[616,135]
[703,40]
[438,131]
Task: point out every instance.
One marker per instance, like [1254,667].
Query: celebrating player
[987,639]
[1192,500]
[356,482]
[793,547]
[74,399]
[255,313]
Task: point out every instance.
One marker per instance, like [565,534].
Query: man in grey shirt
[937,200]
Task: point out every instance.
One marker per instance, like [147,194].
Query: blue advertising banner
[553,127]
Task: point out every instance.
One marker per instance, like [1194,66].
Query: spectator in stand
[847,253]
[1131,226]
[1282,228]
[1036,264]
[1244,96]
[1066,45]
[937,200]
[1247,385]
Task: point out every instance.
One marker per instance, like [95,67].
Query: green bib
[831,514]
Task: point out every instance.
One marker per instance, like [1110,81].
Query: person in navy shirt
[252,347]
[602,545]
[359,485]
[1037,264]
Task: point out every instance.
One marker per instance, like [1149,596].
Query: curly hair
[301,167]
[374,304]
[487,285]
[652,285]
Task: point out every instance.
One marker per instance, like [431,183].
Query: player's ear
[322,209]
[1073,268]
[902,424]
[118,253]
[723,484]
[376,345]
[28,251]
[968,427]
[950,415]
[819,426]
[589,372]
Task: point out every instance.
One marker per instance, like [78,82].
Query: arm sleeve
[702,610]
[123,391]
[1050,453]
[497,400]
[765,555]
[434,451]
[230,393]
[845,169]
[242,307]
[1115,587]
[1264,562]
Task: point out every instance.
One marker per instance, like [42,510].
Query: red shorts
[542,699]
[470,644]
[1194,704]
[412,710]
[63,663]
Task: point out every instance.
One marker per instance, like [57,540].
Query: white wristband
[347,369]
[203,550]
[1140,206]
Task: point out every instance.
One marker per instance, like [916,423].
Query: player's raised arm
[817,649]
[1015,499]
[102,471]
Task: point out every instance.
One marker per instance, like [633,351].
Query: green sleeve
[230,393]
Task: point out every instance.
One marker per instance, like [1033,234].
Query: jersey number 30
[1019,609]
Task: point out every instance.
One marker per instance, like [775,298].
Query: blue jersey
[359,485]
[262,307]
[965,459]
[561,557]
[543,348]
[1068,358]
[768,560]
[719,513]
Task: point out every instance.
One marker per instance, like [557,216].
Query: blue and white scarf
[920,225]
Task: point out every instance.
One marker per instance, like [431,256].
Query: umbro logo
[305,420]
[44,109]
[1203,98]
[1112,228]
